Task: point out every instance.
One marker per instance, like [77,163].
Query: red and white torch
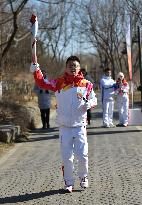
[34,30]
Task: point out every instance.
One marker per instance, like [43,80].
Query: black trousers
[45,114]
[88,115]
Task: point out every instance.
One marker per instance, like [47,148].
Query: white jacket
[72,104]
[122,92]
[107,89]
[71,109]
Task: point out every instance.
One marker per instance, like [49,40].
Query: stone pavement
[30,173]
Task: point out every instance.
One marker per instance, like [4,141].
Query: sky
[73,47]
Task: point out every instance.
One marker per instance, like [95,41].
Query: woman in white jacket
[122,92]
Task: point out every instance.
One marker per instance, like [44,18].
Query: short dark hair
[42,70]
[107,69]
[73,58]
[83,69]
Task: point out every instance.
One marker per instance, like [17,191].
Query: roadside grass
[136,97]
[5,147]
[9,110]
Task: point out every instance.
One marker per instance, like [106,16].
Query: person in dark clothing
[44,103]
[139,88]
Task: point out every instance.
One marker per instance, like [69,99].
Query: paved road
[30,172]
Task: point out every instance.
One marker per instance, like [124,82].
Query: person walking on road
[44,103]
[122,92]
[74,96]
[107,94]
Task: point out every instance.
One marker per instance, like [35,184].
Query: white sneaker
[84,182]
[69,188]
[125,125]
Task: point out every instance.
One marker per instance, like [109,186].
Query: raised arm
[39,79]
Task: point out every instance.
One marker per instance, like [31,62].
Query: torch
[34,30]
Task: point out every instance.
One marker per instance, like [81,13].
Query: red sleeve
[40,81]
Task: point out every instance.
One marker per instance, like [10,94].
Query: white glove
[34,67]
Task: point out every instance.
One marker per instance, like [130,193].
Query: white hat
[120,75]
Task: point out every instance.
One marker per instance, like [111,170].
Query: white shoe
[69,188]
[84,182]
[125,125]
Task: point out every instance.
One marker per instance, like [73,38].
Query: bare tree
[102,26]
[97,25]
[58,35]
[12,11]
[9,12]
[135,8]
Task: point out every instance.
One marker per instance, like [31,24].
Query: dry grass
[12,113]
[4,148]
[136,97]
[20,77]
[13,107]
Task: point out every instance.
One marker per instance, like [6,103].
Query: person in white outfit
[122,92]
[74,96]
[107,94]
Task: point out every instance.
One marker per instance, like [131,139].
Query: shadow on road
[111,132]
[40,130]
[42,138]
[32,196]
[52,133]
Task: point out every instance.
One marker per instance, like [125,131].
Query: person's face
[108,73]
[73,67]
[121,77]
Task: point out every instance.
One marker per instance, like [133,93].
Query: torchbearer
[122,92]
[74,96]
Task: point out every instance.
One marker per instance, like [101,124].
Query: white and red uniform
[122,92]
[74,96]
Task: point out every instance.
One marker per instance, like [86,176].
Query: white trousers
[73,141]
[108,107]
[123,108]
